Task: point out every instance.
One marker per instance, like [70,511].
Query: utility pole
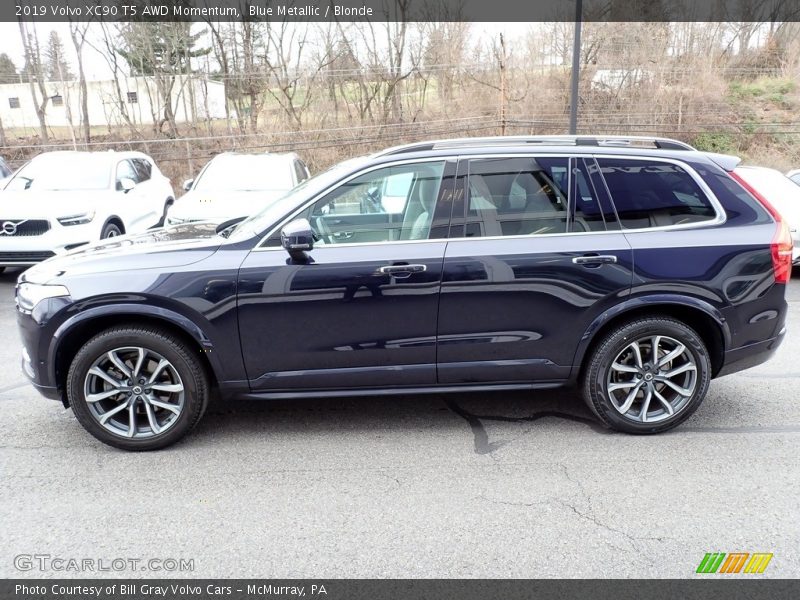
[503,91]
[576,68]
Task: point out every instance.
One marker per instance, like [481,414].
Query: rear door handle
[402,271]
[595,259]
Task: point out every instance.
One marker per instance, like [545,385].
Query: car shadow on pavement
[379,413]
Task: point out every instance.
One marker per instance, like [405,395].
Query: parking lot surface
[479,485]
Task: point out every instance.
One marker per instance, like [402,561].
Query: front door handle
[595,260]
[402,271]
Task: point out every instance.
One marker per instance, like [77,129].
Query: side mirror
[126,184]
[297,238]
[187,185]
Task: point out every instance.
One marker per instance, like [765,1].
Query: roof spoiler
[726,161]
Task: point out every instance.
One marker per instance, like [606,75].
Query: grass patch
[774,88]
[722,143]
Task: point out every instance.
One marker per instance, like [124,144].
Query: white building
[191,98]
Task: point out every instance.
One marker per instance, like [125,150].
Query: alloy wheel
[134,392]
[652,379]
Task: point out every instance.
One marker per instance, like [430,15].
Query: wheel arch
[78,330]
[701,316]
[116,220]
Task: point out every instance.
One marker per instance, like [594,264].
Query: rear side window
[516,196]
[650,193]
[739,205]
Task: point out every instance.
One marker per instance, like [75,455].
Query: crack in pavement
[484,446]
[482,443]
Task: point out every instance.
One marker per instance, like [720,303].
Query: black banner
[731,588]
[399,10]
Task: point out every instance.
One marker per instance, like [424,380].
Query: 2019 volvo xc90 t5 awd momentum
[638,269]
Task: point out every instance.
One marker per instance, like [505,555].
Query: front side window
[650,193]
[125,170]
[516,196]
[384,205]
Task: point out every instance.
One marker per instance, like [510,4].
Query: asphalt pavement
[476,485]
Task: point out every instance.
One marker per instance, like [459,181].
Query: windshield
[272,214]
[54,172]
[243,172]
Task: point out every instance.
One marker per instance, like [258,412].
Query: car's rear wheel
[647,376]
[137,388]
[110,230]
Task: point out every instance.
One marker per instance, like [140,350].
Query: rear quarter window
[652,193]
[740,207]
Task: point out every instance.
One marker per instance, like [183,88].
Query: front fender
[651,301]
[118,311]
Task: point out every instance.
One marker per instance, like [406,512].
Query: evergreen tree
[8,70]
[56,67]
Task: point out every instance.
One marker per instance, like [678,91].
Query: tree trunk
[35,72]
[82,88]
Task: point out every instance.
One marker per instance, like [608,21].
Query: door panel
[541,261]
[362,310]
[340,321]
[514,309]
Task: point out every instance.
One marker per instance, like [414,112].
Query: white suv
[61,200]
[236,185]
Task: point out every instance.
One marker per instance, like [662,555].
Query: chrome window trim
[719,219]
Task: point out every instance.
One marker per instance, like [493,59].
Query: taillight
[781,245]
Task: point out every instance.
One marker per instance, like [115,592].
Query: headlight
[179,220]
[80,219]
[30,294]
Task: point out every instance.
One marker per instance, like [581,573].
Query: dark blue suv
[638,269]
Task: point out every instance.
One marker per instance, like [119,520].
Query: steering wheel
[321,228]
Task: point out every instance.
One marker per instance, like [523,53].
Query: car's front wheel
[647,376]
[110,230]
[137,388]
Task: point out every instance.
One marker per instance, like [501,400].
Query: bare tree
[33,68]
[78,33]
[287,49]
[108,52]
[219,40]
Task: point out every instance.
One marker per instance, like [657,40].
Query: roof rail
[544,140]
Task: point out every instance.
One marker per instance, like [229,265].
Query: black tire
[598,375]
[2,269]
[187,365]
[110,230]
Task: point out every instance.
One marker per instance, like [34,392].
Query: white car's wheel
[110,230]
